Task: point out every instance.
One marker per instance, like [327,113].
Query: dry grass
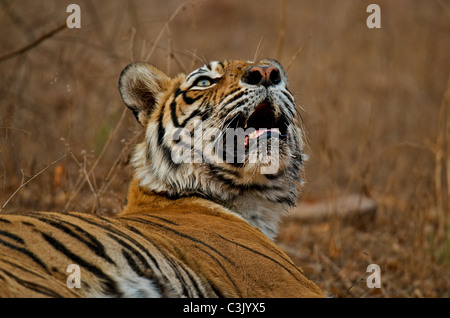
[377,117]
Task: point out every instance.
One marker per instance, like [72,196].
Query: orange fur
[256,267]
[226,253]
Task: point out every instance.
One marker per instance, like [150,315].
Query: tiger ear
[139,86]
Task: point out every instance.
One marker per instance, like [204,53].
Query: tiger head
[229,132]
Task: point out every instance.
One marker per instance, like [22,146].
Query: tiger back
[191,248]
[191,228]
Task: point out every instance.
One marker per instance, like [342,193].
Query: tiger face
[229,131]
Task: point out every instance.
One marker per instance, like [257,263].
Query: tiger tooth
[259,132]
[253,134]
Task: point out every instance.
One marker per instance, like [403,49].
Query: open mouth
[258,133]
[265,124]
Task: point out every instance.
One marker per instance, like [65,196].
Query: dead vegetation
[376,112]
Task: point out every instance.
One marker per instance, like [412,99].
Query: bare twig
[442,171]
[297,53]
[166,26]
[23,184]
[113,171]
[337,273]
[258,48]
[82,181]
[195,56]
[32,44]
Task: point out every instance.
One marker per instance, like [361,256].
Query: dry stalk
[23,184]
[33,44]
[337,273]
[442,173]
[113,172]
[82,181]
[258,48]
[164,28]
[297,53]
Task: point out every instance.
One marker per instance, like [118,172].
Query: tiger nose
[262,75]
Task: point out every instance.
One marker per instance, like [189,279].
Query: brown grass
[376,113]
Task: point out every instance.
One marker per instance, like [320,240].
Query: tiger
[200,216]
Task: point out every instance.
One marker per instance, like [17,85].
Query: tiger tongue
[258,133]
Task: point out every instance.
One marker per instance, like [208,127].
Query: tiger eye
[204,82]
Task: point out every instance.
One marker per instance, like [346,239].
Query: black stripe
[189,100]
[219,173]
[290,102]
[219,264]
[173,112]
[5,221]
[196,112]
[191,284]
[173,263]
[225,109]
[162,219]
[33,286]
[288,96]
[167,152]
[133,265]
[123,235]
[12,236]
[170,261]
[193,239]
[237,96]
[132,250]
[93,244]
[220,170]
[140,246]
[26,270]
[265,256]
[199,71]
[190,288]
[109,285]
[275,175]
[283,200]
[27,253]
[161,129]
[217,292]
[206,113]
[235,121]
